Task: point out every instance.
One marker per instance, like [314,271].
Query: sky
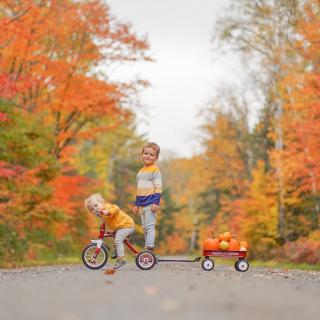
[186,71]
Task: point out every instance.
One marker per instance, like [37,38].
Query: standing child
[115,219]
[149,187]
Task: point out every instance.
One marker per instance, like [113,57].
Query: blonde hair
[152,145]
[92,200]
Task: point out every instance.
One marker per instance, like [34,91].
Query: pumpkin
[244,244]
[221,237]
[234,245]
[211,244]
[227,236]
[224,245]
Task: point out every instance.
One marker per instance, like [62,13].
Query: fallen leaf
[150,291]
[110,271]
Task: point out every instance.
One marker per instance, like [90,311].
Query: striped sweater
[149,186]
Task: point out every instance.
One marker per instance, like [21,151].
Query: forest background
[68,130]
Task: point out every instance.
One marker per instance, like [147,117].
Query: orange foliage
[300,89]
[49,53]
[68,195]
[176,244]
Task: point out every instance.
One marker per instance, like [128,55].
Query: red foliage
[68,195]
[3,117]
[8,170]
[303,250]
[8,87]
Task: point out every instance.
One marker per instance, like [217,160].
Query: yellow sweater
[117,218]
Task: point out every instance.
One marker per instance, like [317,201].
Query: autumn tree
[26,168]
[300,89]
[263,30]
[227,156]
[55,50]
[55,62]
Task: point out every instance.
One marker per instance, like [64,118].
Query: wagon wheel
[207,264]
[241,265]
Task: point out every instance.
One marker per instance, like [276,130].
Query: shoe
[114,255]
[119,264]
[148,248]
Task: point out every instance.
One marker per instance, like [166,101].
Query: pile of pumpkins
[225,242]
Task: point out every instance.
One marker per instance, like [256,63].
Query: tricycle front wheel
[88,257]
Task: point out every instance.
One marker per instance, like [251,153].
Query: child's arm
[157,181]
[111,210]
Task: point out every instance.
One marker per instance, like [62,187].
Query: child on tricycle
[118,221]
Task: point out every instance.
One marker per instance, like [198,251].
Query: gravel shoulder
[169,291]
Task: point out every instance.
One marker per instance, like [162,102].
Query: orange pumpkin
[234,245]
[211,244]
[244,244]
[227,236]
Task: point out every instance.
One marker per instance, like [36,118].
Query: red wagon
[241,264]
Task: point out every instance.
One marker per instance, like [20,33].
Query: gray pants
[121,235]
[148,221]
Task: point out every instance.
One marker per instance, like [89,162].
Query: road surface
[169,291]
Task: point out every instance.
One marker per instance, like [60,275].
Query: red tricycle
[95,255]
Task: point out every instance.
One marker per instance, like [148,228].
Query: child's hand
[135,210]
[154,208]
[105,212]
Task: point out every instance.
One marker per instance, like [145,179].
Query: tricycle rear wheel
[146,260]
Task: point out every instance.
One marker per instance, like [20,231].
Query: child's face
[149,156]
[96,208]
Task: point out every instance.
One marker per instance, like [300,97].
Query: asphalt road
[169,291]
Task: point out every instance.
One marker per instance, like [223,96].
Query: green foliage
[27,166]
[11,247]
[209,203]
[169,208]
[114,158]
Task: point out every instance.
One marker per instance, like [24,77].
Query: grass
[70,260]
[286,265]
[272,264]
